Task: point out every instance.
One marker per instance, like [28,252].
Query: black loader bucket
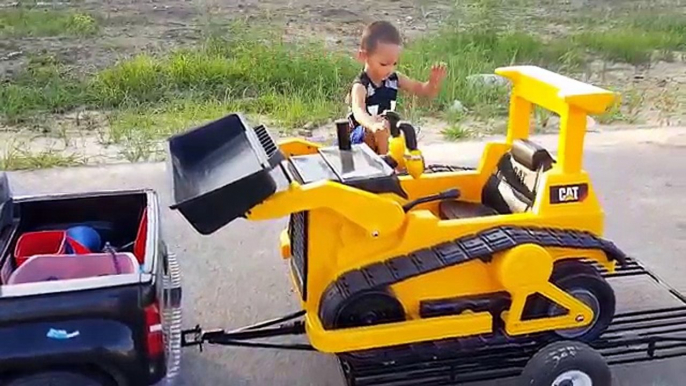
[221,170]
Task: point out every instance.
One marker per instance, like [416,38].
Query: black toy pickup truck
[89,293]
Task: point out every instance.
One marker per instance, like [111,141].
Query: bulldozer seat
[510,189]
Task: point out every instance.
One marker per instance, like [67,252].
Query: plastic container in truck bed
[89,293]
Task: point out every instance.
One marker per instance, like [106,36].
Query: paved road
[235,276]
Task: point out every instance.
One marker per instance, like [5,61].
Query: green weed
[456,132]
[19,158]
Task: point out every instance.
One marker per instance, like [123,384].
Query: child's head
[380,48]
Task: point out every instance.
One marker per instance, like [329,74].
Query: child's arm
[430,88]
[359,109]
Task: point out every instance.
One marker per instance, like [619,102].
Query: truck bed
[84,306]
[119,217]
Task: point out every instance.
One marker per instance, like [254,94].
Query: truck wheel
[60,378]
[566,363]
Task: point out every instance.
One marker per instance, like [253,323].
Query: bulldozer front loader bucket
[221,170]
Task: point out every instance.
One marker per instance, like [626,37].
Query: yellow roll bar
[571,99]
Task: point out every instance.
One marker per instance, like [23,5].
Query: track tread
[482,245]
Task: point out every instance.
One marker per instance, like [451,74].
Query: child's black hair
[379,32]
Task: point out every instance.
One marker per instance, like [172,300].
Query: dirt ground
[129,27]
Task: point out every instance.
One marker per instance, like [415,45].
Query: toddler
[375,89]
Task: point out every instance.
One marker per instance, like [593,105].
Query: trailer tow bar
[240,337]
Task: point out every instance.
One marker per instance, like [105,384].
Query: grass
[632,44]
[18,158]
[304,84]
[456,132]
[294,83]
[45,85]
[35,22]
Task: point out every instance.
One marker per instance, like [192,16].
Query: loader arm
[375,213]
[297,146]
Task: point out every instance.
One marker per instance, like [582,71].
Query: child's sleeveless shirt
[379,98]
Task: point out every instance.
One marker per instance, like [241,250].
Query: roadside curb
[455,153]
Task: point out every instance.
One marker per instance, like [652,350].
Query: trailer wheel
[60,378]
[369,308]
[566,363]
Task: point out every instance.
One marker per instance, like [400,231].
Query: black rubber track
[470,247]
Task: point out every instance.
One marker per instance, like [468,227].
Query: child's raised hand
[438,73]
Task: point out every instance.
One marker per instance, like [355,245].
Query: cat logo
[568,193]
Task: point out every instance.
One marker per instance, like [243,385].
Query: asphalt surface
[236,276]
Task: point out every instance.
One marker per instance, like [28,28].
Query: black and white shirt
[379,98]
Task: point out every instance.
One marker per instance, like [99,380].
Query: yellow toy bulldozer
[382,258]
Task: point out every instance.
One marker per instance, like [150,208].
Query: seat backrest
[512,188]
[64,267]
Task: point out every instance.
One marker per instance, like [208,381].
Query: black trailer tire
[60,378]
[566,363]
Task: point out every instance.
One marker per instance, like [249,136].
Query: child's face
[383,61]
